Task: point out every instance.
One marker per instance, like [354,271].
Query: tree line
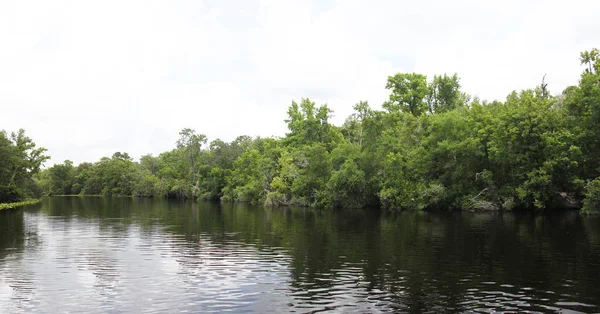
[430,146]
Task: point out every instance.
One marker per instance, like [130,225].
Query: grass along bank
[19,204]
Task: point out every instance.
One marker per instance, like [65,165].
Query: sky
[86,79]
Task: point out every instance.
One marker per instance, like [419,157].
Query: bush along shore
[18,204]
[429,146]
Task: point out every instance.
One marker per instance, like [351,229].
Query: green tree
[353,128]
[309,124]
[20,160]
[192,142]
[408,93]
[589,58]
[444,94]
[346,187]
[591,205]
[62,178]
[150,163]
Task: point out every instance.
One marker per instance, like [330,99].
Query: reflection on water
[94,254]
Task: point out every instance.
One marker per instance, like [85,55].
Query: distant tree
[150,163]
[62,177]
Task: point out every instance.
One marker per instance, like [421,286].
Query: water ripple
[210,260]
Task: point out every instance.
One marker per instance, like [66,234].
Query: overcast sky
[88,78]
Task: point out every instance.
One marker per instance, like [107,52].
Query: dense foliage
[20,160]
[431,146]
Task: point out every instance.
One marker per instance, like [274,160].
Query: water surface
[94,254]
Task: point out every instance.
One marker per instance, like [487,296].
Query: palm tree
[594,54]
[585,57]
[589,57]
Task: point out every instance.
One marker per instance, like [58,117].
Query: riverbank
[565,203]
[18,204]
[78,195]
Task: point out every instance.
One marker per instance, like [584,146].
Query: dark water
[72,254]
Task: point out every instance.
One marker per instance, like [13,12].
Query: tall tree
[408,93]
[589,58]
[309,124]
[353,128]
[192,142]
[444,93]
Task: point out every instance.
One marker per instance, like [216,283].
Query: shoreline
[13,205]
[495,208]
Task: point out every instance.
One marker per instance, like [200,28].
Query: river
[122,255]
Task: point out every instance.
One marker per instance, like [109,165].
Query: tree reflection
[410,260]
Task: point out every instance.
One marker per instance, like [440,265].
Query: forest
[431,146]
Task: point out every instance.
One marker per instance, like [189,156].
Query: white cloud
[88,78]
